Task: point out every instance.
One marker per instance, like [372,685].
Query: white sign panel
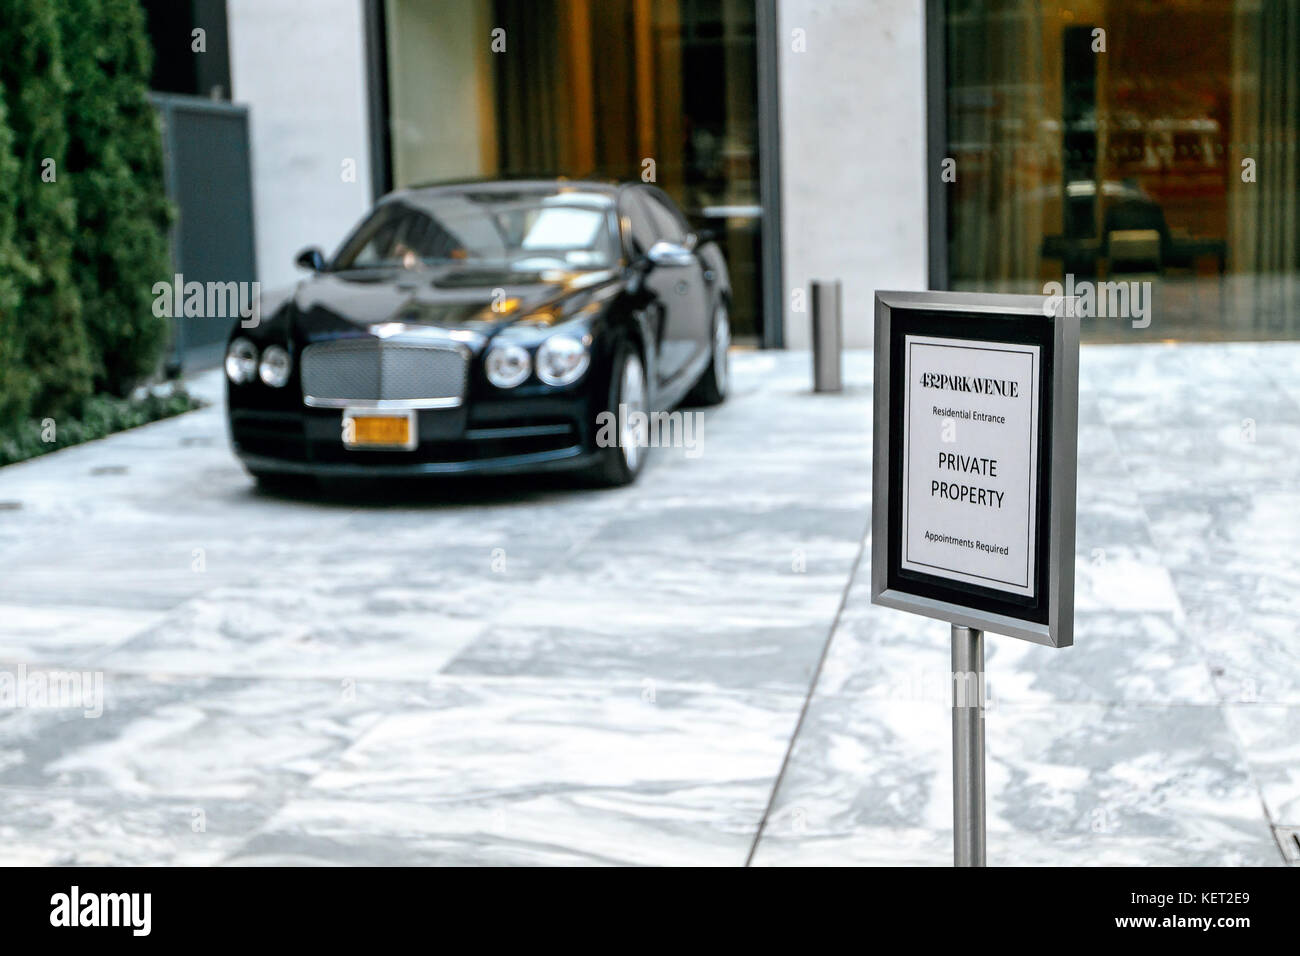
[970,468]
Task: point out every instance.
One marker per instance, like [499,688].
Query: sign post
[968,838]
[976,434]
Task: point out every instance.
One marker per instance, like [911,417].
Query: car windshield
[566,229]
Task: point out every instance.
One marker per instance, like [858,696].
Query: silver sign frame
[1062,448]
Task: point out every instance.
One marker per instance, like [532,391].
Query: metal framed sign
[976,432]
[972,509]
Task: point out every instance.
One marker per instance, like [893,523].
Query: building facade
[1145,147]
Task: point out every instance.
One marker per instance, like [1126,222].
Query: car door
[639,235]
[673,291]
[688,331]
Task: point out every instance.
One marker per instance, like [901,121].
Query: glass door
[720,161]
[662,91]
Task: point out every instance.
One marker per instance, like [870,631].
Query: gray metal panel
[377,98]
[206,152]
[1059,630]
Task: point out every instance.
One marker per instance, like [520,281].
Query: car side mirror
[311,258]
[664,253]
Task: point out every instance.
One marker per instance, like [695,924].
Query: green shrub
[115,167]
[49,343]
[16,381]
[101,415]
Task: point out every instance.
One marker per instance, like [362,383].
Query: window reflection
[1152,142]
[662,91]
[534,232]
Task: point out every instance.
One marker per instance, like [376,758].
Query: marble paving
[533,672]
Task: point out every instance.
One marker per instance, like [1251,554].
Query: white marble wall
[300,67]
[852,153]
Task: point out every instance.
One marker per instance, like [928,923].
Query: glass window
[1141,154]
[641,224]
[525,232]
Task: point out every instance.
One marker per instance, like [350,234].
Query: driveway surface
[526,671]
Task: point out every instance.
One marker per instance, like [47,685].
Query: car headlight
[241,361]
[562,359]
[507,365]
[275,366]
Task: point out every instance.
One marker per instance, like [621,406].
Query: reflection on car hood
[338,304]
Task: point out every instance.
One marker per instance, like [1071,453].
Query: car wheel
[711,389]
[621,461]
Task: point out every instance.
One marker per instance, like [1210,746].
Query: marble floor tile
[633,619]
[341,628]
[64,634]
[1141,785]
[1270,738]
[1248,530]
[550,735]
[1123,577]
[553,771]
[78,828]
[674,826]
[1248,629]
[754,529]
[1141,658]
[1180,401]
[1230,455]
[192,738]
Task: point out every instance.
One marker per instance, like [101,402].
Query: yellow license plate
[379,431]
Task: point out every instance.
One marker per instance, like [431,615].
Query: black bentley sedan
[483,328]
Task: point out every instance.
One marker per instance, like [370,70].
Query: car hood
[480,302]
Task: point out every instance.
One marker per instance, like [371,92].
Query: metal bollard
[827,336]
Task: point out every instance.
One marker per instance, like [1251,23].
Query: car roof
[505,187]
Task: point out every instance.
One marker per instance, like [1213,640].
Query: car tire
[620,463]
[711,389]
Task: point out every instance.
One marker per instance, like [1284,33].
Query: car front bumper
[493,438]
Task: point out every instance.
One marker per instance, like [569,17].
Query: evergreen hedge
[51,344]
[115,166]
[16,381]
[83,213]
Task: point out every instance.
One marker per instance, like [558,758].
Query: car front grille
[379,374]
